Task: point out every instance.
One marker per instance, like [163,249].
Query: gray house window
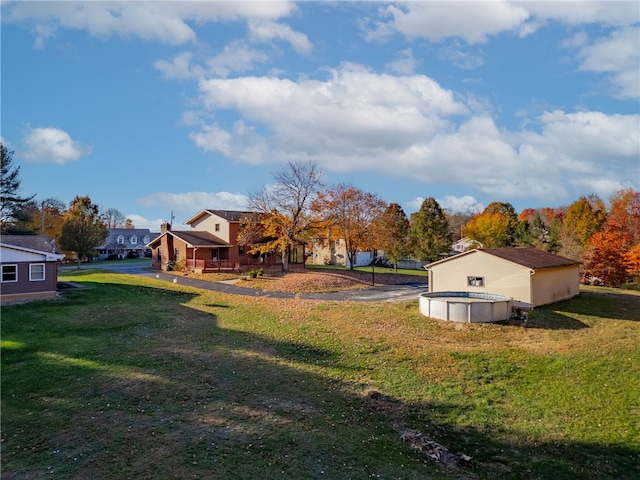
[36,272]
[475,281]
[133,240]
[120,240]
[9,273]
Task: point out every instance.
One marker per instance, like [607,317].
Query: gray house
[125,242]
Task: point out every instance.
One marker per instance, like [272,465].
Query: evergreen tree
[12,204]
[429,232]
[391,231]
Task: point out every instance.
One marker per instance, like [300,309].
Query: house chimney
[165,227]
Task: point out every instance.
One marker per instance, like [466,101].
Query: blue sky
[159,107]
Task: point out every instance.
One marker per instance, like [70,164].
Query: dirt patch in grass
[314,281]
[309,280]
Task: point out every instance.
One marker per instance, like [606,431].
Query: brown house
[210,245]
[531,277]
[29,267]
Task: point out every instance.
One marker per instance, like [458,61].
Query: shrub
[258,272]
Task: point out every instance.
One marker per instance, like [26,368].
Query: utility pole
[42,217]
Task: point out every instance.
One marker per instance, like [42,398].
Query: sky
[163,107]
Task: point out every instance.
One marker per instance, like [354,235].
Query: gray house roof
[141,236]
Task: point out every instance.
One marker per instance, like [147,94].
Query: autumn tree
[391,231]
[83,228]
[583,218]
[604,257]
[348,213]
[113,218]
[624,213]
[12,204]
[41,217]
[613,254]
[429,233]
[495,227]
[281,218]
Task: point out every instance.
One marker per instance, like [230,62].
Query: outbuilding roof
[527,257]
[32,243]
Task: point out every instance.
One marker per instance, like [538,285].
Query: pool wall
[469,307]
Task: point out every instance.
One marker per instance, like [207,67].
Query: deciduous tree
[605,257]
[430,235]
[495,227]
[348,213]
[281,217]
[113,218]
[583,218]
[83,229]
[391,231]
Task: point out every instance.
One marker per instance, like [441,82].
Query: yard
[136,378]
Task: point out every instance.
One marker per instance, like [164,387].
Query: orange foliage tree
[613,255]
[495,227]
[348,214]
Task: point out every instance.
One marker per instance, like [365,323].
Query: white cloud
[617,13]
[235,57]
[460,57]
[51,145]
[410,127]
[179,67]
[439,20]
[464,204]
[265,30]
[192,202]
[618,54]
[166,22]
[405,63]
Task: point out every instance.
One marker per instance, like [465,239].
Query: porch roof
[196,239]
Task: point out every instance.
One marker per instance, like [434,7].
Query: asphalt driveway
[383,293]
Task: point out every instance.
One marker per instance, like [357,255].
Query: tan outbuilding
[531,277]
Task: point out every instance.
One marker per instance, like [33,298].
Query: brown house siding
[24,289]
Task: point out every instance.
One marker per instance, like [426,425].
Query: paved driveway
[384,293]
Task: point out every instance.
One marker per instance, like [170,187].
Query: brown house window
[176,254]
[36,272]
[9,273]
[475,281]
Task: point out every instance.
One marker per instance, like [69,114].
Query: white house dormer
[133,240]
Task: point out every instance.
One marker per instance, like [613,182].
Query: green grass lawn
[137,378]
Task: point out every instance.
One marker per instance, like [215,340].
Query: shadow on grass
[569,314]
[90,391]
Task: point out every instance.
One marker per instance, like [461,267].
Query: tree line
[78,228]
[298,208]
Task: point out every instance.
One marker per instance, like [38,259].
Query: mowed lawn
[134,378]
